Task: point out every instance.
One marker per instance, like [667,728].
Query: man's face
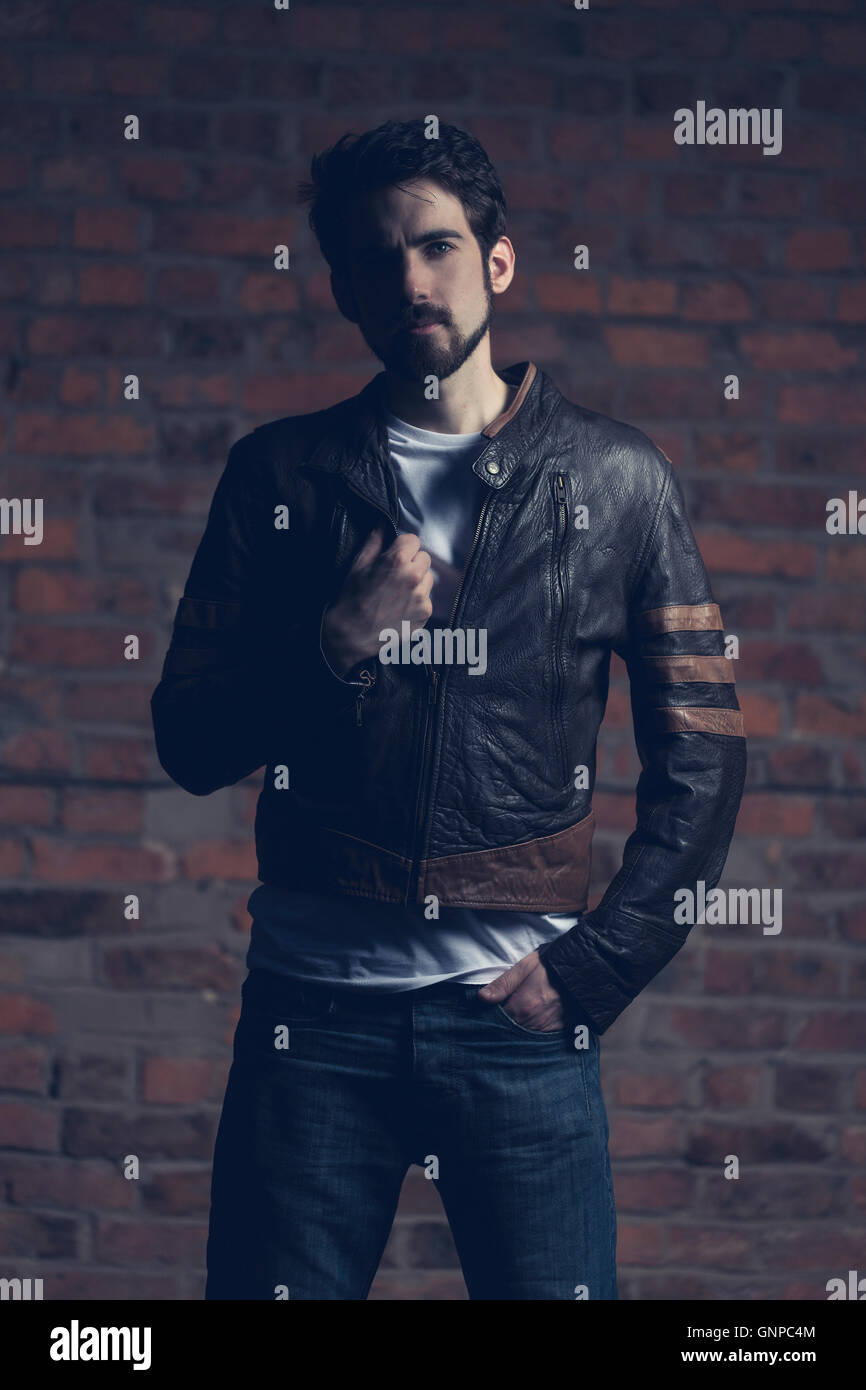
[418,286]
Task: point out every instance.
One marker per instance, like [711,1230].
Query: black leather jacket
[404,782]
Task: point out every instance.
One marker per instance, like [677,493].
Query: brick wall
[154,257]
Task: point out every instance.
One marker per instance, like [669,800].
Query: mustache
[420,320]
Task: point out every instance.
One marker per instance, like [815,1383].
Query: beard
[413,356]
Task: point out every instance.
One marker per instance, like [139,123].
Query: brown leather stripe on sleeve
[692,719]
[680,617]
[665,670]
[496,425]
[207,613]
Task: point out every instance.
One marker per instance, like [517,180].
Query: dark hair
[397,152]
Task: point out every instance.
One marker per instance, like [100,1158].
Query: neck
[468,399]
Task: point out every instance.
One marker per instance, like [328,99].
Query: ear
[343,296]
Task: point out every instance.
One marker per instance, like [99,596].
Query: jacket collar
[356,443]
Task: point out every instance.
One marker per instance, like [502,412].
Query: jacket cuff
[576,1010]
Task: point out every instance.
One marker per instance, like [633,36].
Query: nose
[413,281]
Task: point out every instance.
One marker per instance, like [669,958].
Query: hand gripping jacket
[402,781]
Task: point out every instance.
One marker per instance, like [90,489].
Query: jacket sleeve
[690,740]
[233,667]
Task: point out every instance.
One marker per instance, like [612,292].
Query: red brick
[157,967]
[209,233]
[797,350]
[65,1183]
[821,714]
[39,433]
[37,750]
[111,285]
[26,1125]
[176,1080]
[23,805]
[29,228]
[270,293]
[576,293]
[734,1087]
[792,300]
[632,1137]
[22,1069]
[716,301]
[777,40]
[688,194]
[641,1244]
[137,1243]
[653,347]
[59,862]
[827,612]
[90,810]
[117,759]
[55,73]
[728,453]
[643,296]
[187,286]
[68,646]
[763,813]
[840,403]
[225,859]
[175,24]
[84,174]
[725,553]
[717,1247]
[649,1089]
[729,1026]
[791,975]
[104,21]
[654,1190]
[844,45]
[819,248]
[851,302]
[106,228]
[14,172]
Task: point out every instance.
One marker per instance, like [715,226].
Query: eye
[446,244]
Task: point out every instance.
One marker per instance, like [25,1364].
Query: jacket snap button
[492,467]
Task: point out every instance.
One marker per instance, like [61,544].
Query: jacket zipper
[561,497]
[428,726]
[368,678]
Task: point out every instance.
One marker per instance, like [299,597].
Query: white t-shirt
[384,947]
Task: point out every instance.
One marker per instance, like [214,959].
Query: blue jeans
[315,1140]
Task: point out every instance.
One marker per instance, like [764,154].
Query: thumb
[369,550]
[506,984]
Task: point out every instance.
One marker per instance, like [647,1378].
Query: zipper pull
[434,686]
[368,678]
[561,496]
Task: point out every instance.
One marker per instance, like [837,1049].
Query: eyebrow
[438,234]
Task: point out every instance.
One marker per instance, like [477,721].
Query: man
[404,607]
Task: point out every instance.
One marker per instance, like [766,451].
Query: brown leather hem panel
[680,617]
[359,867]
[550,874]
[700,720]
[666,670]
[496,425]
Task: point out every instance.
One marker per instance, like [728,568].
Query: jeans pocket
[531,1032]
[267,996]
